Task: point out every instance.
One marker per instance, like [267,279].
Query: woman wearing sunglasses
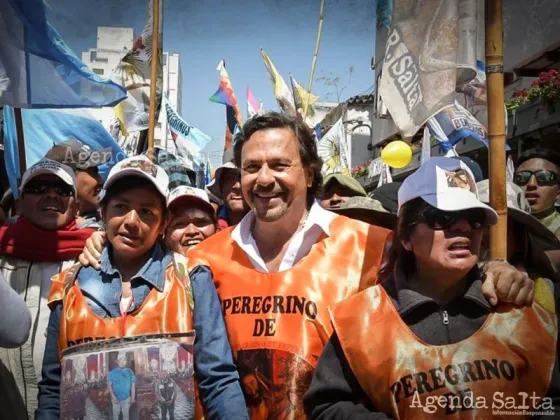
[426,343]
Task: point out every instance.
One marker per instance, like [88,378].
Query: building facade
[531,46]
[112,45]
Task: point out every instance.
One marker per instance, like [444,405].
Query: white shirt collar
[242,235]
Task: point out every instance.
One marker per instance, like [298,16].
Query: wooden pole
[20,142]
[496,126]
[153,77]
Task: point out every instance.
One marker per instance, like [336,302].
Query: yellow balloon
[397,154]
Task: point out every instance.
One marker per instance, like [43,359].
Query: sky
[205,31]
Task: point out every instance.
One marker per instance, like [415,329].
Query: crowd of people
[308,297]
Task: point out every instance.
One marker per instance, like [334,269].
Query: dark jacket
[218,380]
[335,392]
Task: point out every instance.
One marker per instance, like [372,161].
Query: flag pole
[20,141]
[314,61]
[496,126]
[153,78]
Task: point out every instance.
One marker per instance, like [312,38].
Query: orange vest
[278,323]
[513,352]
[158,314]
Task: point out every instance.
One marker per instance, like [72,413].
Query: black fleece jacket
[335,392]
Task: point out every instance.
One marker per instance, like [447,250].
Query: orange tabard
[513,352]
[158,314]
[278,323]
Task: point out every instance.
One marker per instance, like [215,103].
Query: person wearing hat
[528,240]
[405,347]
[337,188]
[85,162]
[192,219]
[387,195]
[226,186]
[41,242]
[139,289]
[367,210]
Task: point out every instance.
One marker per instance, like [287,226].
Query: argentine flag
[43,128]
[38,70]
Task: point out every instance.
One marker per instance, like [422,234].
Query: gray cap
[367,210]
[346,181]
[519,209]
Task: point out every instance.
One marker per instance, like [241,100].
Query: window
[158,125]
[98,71]
[164,59]
[102,60]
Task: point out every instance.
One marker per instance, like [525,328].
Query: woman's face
[133,221]
[189,226]
[447,241]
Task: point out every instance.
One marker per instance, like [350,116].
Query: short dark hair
[307,146]
[128,183]
[540,153]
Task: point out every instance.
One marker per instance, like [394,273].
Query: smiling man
[280,268]
[537,174]
[85,163]
[43,241]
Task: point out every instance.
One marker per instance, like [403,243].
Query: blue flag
[38,70]
[44,128]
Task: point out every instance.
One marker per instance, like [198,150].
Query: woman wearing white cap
[139,292]
[191,220]
[426,343]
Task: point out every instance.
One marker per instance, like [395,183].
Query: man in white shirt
[287,261]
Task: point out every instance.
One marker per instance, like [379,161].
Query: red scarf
[26,241]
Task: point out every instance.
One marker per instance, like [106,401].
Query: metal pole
[20,142]
[496,126]
[314,61]
[153,77]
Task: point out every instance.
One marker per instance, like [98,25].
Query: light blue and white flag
[189,140]
[38,70]
[44,128]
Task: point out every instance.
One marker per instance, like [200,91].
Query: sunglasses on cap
[543,177]
[42,187]
[443,220]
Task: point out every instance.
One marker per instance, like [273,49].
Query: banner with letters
[428,54]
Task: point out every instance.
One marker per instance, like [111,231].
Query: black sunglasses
[543,177]
[42,187]
[443,220]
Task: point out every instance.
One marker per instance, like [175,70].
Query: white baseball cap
[195,194]
[446,184]
[139,166]
[49,167]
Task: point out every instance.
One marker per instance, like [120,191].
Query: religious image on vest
[129,379]
[273,383]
